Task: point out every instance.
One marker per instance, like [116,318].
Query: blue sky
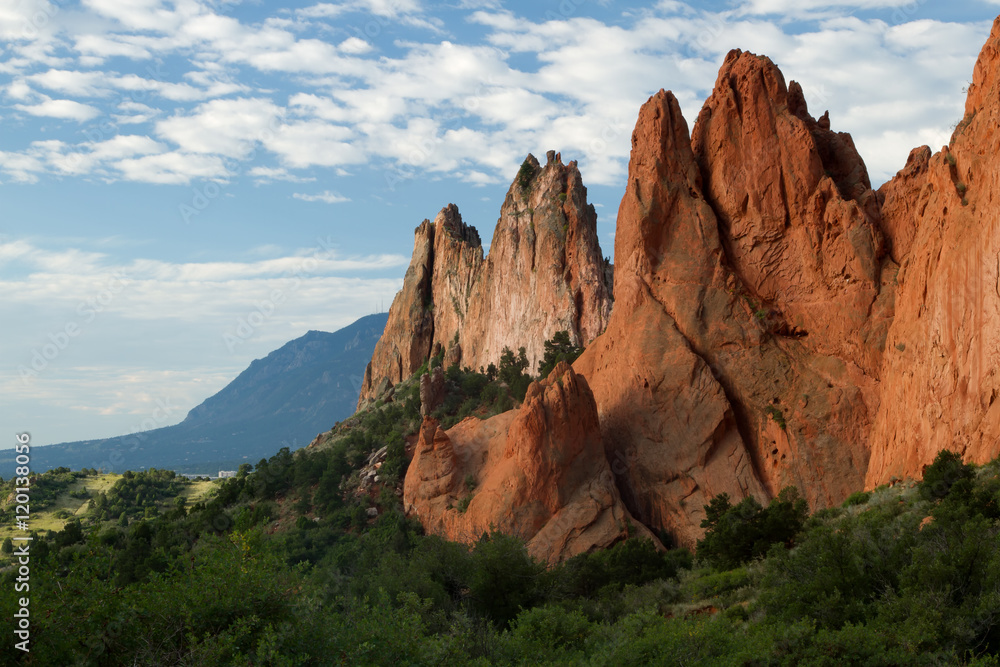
[185,185]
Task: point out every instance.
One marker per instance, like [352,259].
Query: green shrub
[945,472]
[551,632]
[504,578]
[511,372]
[776,416]
[857,498]
[525,175]
[737,534]
[558,348]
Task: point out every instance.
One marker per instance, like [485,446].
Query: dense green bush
[946,472]
[737,534]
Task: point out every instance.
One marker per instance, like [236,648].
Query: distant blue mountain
[282,400]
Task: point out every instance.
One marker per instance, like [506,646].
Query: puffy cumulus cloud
[24,20]
[70,82]
[151,15]
[354,46]
[63,109]
[92,157]
[172,168]
[314,143]
[97,48]
[134,113]
[22,167]
[404,12]
[474,104]
[228,127]
[327,197]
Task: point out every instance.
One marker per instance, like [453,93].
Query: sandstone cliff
[544,273]
[940,380]
[538,472]
[447,256]
[742,354]
[776,321]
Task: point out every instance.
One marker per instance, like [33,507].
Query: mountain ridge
[282,399]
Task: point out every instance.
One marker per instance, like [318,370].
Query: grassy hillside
[66,497]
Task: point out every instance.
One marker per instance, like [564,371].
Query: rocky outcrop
[432,391]
[668,427]
[796,211]
[901,203]
[538,472]
[742,355]
[544,274]
[776,321]
[447,255]
[940,381]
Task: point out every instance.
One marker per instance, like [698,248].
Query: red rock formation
[940,380]
[409,332]
[447,255]
[796,210]
[668,427]
[901,202]
[544,274]
[538,472]
[708,378]
[776,321]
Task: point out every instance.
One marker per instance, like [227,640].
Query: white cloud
[69,82]
[134,113]
[313,143]
[64,109]
[327,197]
[101,47]
[70,276]
[354,46]
[262,175]
[21,167]
[229,127]
[387,8]
[150,15]
[104,381]
[454,104]
[173,168]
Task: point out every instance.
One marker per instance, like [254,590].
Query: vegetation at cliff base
[305,559]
